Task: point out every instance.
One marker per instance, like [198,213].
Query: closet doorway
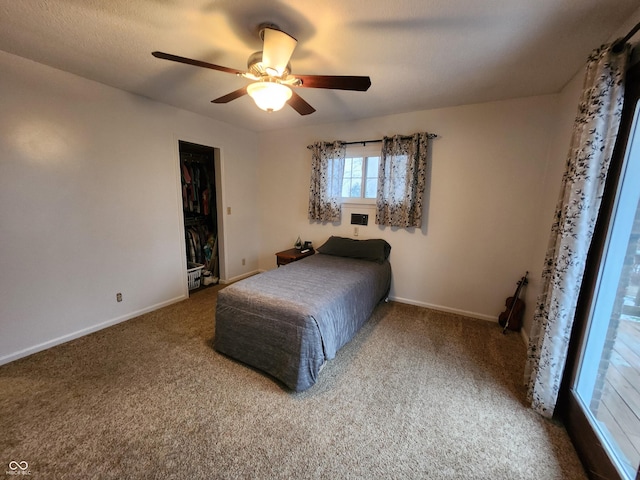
[199,172]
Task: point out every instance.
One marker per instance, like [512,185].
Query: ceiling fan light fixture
[269,96]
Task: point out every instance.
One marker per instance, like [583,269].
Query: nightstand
[292,255]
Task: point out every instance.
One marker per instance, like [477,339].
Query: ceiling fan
[270,72]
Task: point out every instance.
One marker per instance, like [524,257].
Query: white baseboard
[86,331]
[480,316]
[440,308]
[239,277]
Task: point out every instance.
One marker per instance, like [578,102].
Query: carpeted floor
[417,394]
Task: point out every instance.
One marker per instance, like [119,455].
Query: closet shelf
[195,220]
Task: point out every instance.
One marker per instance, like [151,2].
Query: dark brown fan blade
[299,104]
[335,82]
[197,63]
[231,96]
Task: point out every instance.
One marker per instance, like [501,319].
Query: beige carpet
[417,394]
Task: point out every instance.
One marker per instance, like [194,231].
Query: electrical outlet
[118,297]
[243,261]
[355,231]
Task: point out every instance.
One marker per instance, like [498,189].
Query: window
[360,177]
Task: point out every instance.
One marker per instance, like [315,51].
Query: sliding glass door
[604,391]
[608,382]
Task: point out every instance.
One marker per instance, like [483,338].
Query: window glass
[360,178]
[371,180]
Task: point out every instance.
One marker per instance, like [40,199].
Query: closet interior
[197,171]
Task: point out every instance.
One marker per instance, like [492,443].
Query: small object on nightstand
[292,255]
[298,244]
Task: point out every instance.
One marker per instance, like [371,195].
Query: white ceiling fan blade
[277,50]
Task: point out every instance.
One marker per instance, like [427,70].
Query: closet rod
[617,47]
[379,140]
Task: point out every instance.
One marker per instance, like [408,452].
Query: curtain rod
[379,140]
[617,47]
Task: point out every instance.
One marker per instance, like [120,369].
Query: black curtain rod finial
[618,46]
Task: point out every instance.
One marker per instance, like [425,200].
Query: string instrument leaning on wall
[511,318]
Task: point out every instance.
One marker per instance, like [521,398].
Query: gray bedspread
[289,321]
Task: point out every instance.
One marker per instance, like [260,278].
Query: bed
[289,321]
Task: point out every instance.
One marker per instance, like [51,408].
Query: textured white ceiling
[420,54]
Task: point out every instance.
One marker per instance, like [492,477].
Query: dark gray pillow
[375,250]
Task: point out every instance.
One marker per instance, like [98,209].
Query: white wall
[89,201]
[90,206]
[489,173]
[550,189]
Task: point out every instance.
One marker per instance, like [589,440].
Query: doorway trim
[218,164]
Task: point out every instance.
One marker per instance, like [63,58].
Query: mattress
[289,321]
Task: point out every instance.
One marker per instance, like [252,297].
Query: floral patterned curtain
[594,135]
[402,175]
[327,168]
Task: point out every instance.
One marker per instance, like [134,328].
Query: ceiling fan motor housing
[259,70]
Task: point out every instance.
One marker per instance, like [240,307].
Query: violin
[511,318]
